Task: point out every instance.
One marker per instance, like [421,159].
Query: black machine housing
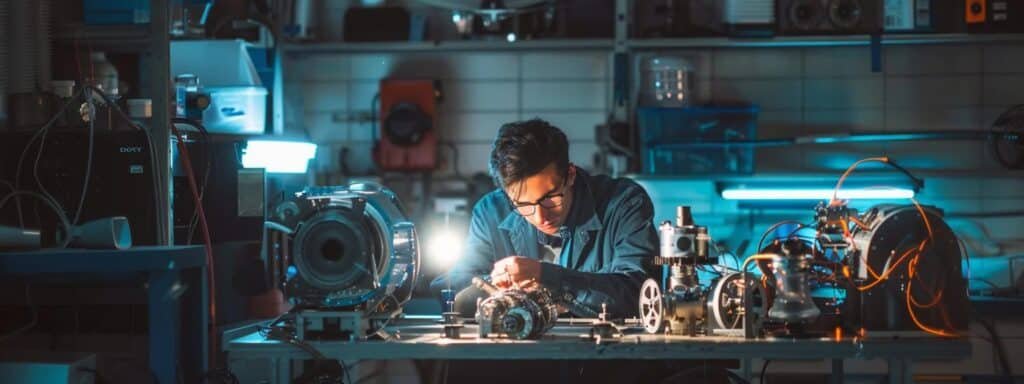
[891,230]
[120,184]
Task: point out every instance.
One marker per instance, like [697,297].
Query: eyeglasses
[550,200]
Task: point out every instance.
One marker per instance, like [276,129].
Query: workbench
[420,338]
[175,276]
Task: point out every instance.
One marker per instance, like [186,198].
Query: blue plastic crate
[672,137]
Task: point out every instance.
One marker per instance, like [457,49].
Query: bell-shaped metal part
[793,302]
[105,233]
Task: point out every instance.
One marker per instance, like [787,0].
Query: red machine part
[408,133]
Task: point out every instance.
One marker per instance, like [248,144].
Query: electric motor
[885,244]
[349,248]
[515,313]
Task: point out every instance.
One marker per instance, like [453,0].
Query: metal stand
[900,371]
[350,325]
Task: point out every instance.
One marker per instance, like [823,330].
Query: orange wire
[871,271]
[839,184]
[929,305]
[858,222]
[760,256]
[913,316]
[924,217]
[885,274]
[912,273]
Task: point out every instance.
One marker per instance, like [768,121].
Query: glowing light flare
[445,246]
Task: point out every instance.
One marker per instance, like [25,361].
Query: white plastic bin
[236,110]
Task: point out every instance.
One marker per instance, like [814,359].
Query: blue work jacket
[608,244]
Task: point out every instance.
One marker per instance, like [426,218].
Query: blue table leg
[195,326]
[163,325]
[836,377]
[282,370]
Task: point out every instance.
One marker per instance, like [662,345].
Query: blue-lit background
[798,91]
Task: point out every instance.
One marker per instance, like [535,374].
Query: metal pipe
[485,286]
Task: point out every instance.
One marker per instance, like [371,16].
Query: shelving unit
[116,38]
[152,43]
[447,45]
[645,44]
[823,41]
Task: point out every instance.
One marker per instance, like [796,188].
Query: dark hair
[524,148]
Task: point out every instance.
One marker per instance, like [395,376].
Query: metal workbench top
[420,338]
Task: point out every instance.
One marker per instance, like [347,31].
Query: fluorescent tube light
[815,194]
[278,156]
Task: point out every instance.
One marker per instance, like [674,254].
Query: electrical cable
[287,336]
[208,154]
[918,183]
[35,169]
[8,185]
[52,204]
[997,343]
[40,133]
[743,270]
[764,369]
[88,159]
[702,372]
[986,281]
[772,228]
[208,245]
[719,251]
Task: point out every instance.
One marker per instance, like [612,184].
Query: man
[588,239]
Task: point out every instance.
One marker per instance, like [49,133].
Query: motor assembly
[515,313]
[348,259]
[906,265]
[893,269]
[683,246]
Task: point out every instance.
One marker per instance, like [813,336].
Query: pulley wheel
[651,306]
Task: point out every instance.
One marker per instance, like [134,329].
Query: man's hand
[515,270]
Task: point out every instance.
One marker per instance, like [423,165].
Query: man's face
[544,198]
